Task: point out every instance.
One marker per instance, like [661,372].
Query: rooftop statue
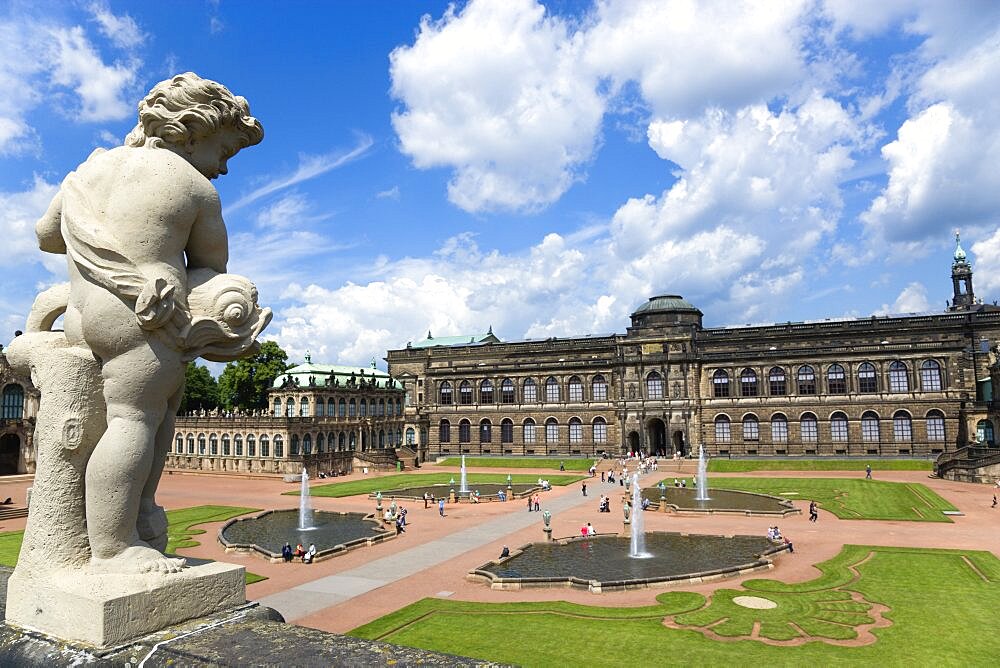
[141,227]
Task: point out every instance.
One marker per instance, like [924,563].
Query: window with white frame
[723,429]
[530,391]
[551,431]
[551,390]
[530,435]
[751,428]
[599,389]
[654,385]
[779,428]
[899,380]
[930,376]
[575,389]
[600,430]
[935,426]
[838,427]
[809,428]
[869,427]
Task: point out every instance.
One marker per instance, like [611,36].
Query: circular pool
[683,499]
[332,532]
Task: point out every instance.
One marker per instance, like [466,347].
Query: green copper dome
[959,253]
[666,303]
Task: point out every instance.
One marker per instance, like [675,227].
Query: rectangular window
[530,393]
[600,432]
[869,430]
[551,432]
[779,431]
[551,392]
[935,429]
[723,432]
[751,430]
[575,392]
[529,433]
[810,431]
[838,430]
[902,429]
[507,394]
[576,432]
[600,391]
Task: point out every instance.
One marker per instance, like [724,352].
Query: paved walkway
[311,597]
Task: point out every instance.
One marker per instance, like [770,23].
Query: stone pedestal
[107,610]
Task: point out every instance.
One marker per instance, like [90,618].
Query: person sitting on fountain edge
[286,552]
[310,554]
[299,551]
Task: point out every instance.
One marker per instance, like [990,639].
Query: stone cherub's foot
[152,524]
[137,559]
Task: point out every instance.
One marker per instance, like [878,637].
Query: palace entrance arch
[679,446]
[656,432]
[633,441]
[10,449]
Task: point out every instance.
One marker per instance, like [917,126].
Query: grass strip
[386,484]
[745,466]
[575,464]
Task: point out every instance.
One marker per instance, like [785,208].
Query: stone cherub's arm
[208,243]
[48,228]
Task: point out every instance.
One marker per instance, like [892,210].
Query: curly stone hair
[187,107]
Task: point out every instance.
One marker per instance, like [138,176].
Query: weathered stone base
[107,610]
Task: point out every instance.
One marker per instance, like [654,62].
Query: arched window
[776,380]
[869,427]
[530,435]
[381,438]
[899,379]
[530,391]
[654,385]
[330,407]
[381,407]
[838,427]
[506,431]
[748,383]
[809,428]
[363,407]
[930,376]
[902,427]
[507,391]
[251,445]
[265,446]
[599,389]
[836,380]
[551,390]
[352,441]
[984,433]
[600,430]
[399,406]
[342,441]
[935,426]
[485,431]
[293,448]
[465,393]
[226,449]
[751,428]
[445,392]
[307,444]
[867,378]
[320,408]
[486,392]
[444,432]
[290,407]
[779,428]
[304,407]
[723,429]
[352,408]
[341,408]
[213,445]
[190,444]
[399,436]
[464,431]
[411,436]
[806,380]
[319,443]
[279,446]
[179,444]
[201,445]
[551,431]
[720,384]
[277,407]
[575,389]
[575,430]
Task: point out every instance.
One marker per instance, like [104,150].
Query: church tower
[961,280]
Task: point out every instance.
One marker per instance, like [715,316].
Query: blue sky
[541,168]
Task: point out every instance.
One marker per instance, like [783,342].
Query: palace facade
[900,385]
[322,418]
[18,410]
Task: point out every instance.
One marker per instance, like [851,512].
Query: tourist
[583,531]
[645,503]
[501,495]
[868,471]
[427,498]
[584,488]
[505,552]
[402,515]
[441,507]
[308,557]
[530,504]
[299,552]
[591,531]
[684,482]
[400,525]
[286,552]
[475,496]
[602,476]
[562,466]
[677,483]
[538,503]
[813,513]
[994,501]
[593,471]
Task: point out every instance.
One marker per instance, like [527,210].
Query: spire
[491,330]
[308,358]
[429,334]
[373,362]
[959,253]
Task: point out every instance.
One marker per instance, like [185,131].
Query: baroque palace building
[18,410]
[321,418]
[899,385]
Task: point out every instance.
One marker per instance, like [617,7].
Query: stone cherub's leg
[152,522]
[137,385]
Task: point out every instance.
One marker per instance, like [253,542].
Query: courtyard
[858,588]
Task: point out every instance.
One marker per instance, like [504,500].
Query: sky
[541,168]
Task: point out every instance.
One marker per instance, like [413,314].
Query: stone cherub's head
[225,316]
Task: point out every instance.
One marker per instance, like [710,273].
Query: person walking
[813,513]
[538,503]
[584,488]
[868,471]
[530,503]
[441,507]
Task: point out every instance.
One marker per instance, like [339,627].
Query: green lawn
[850,498]
[575,464]
[744,465]
[938,603]
[180,530]
[388,483]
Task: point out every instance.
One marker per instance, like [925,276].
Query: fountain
[305,510]
[702,475]
[637,546]
[464,487]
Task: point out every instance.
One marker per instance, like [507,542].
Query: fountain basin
[602,563]
[333,533]
[487,491]
[724,501]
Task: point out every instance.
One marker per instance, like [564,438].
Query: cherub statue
[141,227]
